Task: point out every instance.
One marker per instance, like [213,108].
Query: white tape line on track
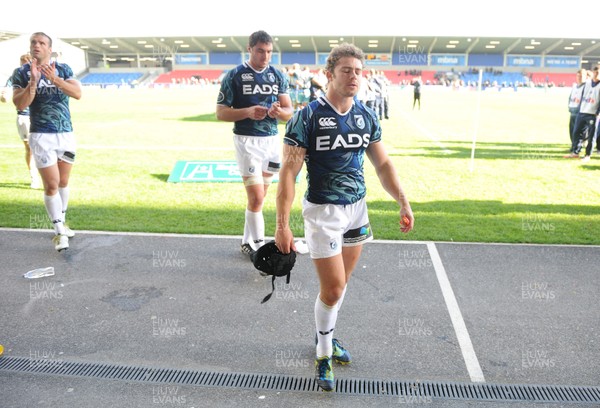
[462,334]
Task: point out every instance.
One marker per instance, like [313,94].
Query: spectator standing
[417,83]
[575,101]
[585,122]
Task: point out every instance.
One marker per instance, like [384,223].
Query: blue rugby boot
[324,373]
[340,354]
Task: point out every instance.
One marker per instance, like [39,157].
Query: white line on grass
[375,241]
[426,132]
[462,334]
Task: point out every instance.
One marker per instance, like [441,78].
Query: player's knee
[331,294]
[50,189]
[256,199]
[255,203]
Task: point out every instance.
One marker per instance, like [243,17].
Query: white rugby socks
[254,228]
[64,196]
[325,318]
[54,209]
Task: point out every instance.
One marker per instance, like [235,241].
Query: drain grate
[414,391]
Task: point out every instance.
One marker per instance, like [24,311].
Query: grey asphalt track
[193,303]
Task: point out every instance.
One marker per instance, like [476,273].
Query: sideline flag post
[476,120]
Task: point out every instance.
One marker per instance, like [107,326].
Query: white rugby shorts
[257,154]
[48,148]
[328,227]
[23,127]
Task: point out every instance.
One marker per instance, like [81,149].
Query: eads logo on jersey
[263,89]
[349,141]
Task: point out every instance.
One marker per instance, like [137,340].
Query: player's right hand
[274,111]
[36,71]
[258,112]
[284,240]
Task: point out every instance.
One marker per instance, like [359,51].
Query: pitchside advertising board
[186,171]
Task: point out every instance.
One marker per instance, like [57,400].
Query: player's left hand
[49,71]
[274,110]
[407,220]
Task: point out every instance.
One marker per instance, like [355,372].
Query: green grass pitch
[519,189]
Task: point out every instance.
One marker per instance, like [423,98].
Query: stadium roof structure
[122,46]
[8,35]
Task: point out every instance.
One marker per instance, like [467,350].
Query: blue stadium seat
[117,78]
[508,78]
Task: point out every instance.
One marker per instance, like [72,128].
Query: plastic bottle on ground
[39,273]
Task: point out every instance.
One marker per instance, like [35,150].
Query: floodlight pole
[476,124]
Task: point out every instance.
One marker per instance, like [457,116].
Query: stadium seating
[505,78]
[395,77]
[113,78]
[556,79]
[398,77]
[185,75]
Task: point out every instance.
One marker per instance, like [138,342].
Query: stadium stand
[500,78]
[396,77]
[186,76]
[406,77]
[114,78]
[555,79]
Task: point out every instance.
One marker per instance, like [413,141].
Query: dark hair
[45,35]
[341,51]
[259,37]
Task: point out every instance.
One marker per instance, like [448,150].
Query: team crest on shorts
[333,244]
[251,169]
